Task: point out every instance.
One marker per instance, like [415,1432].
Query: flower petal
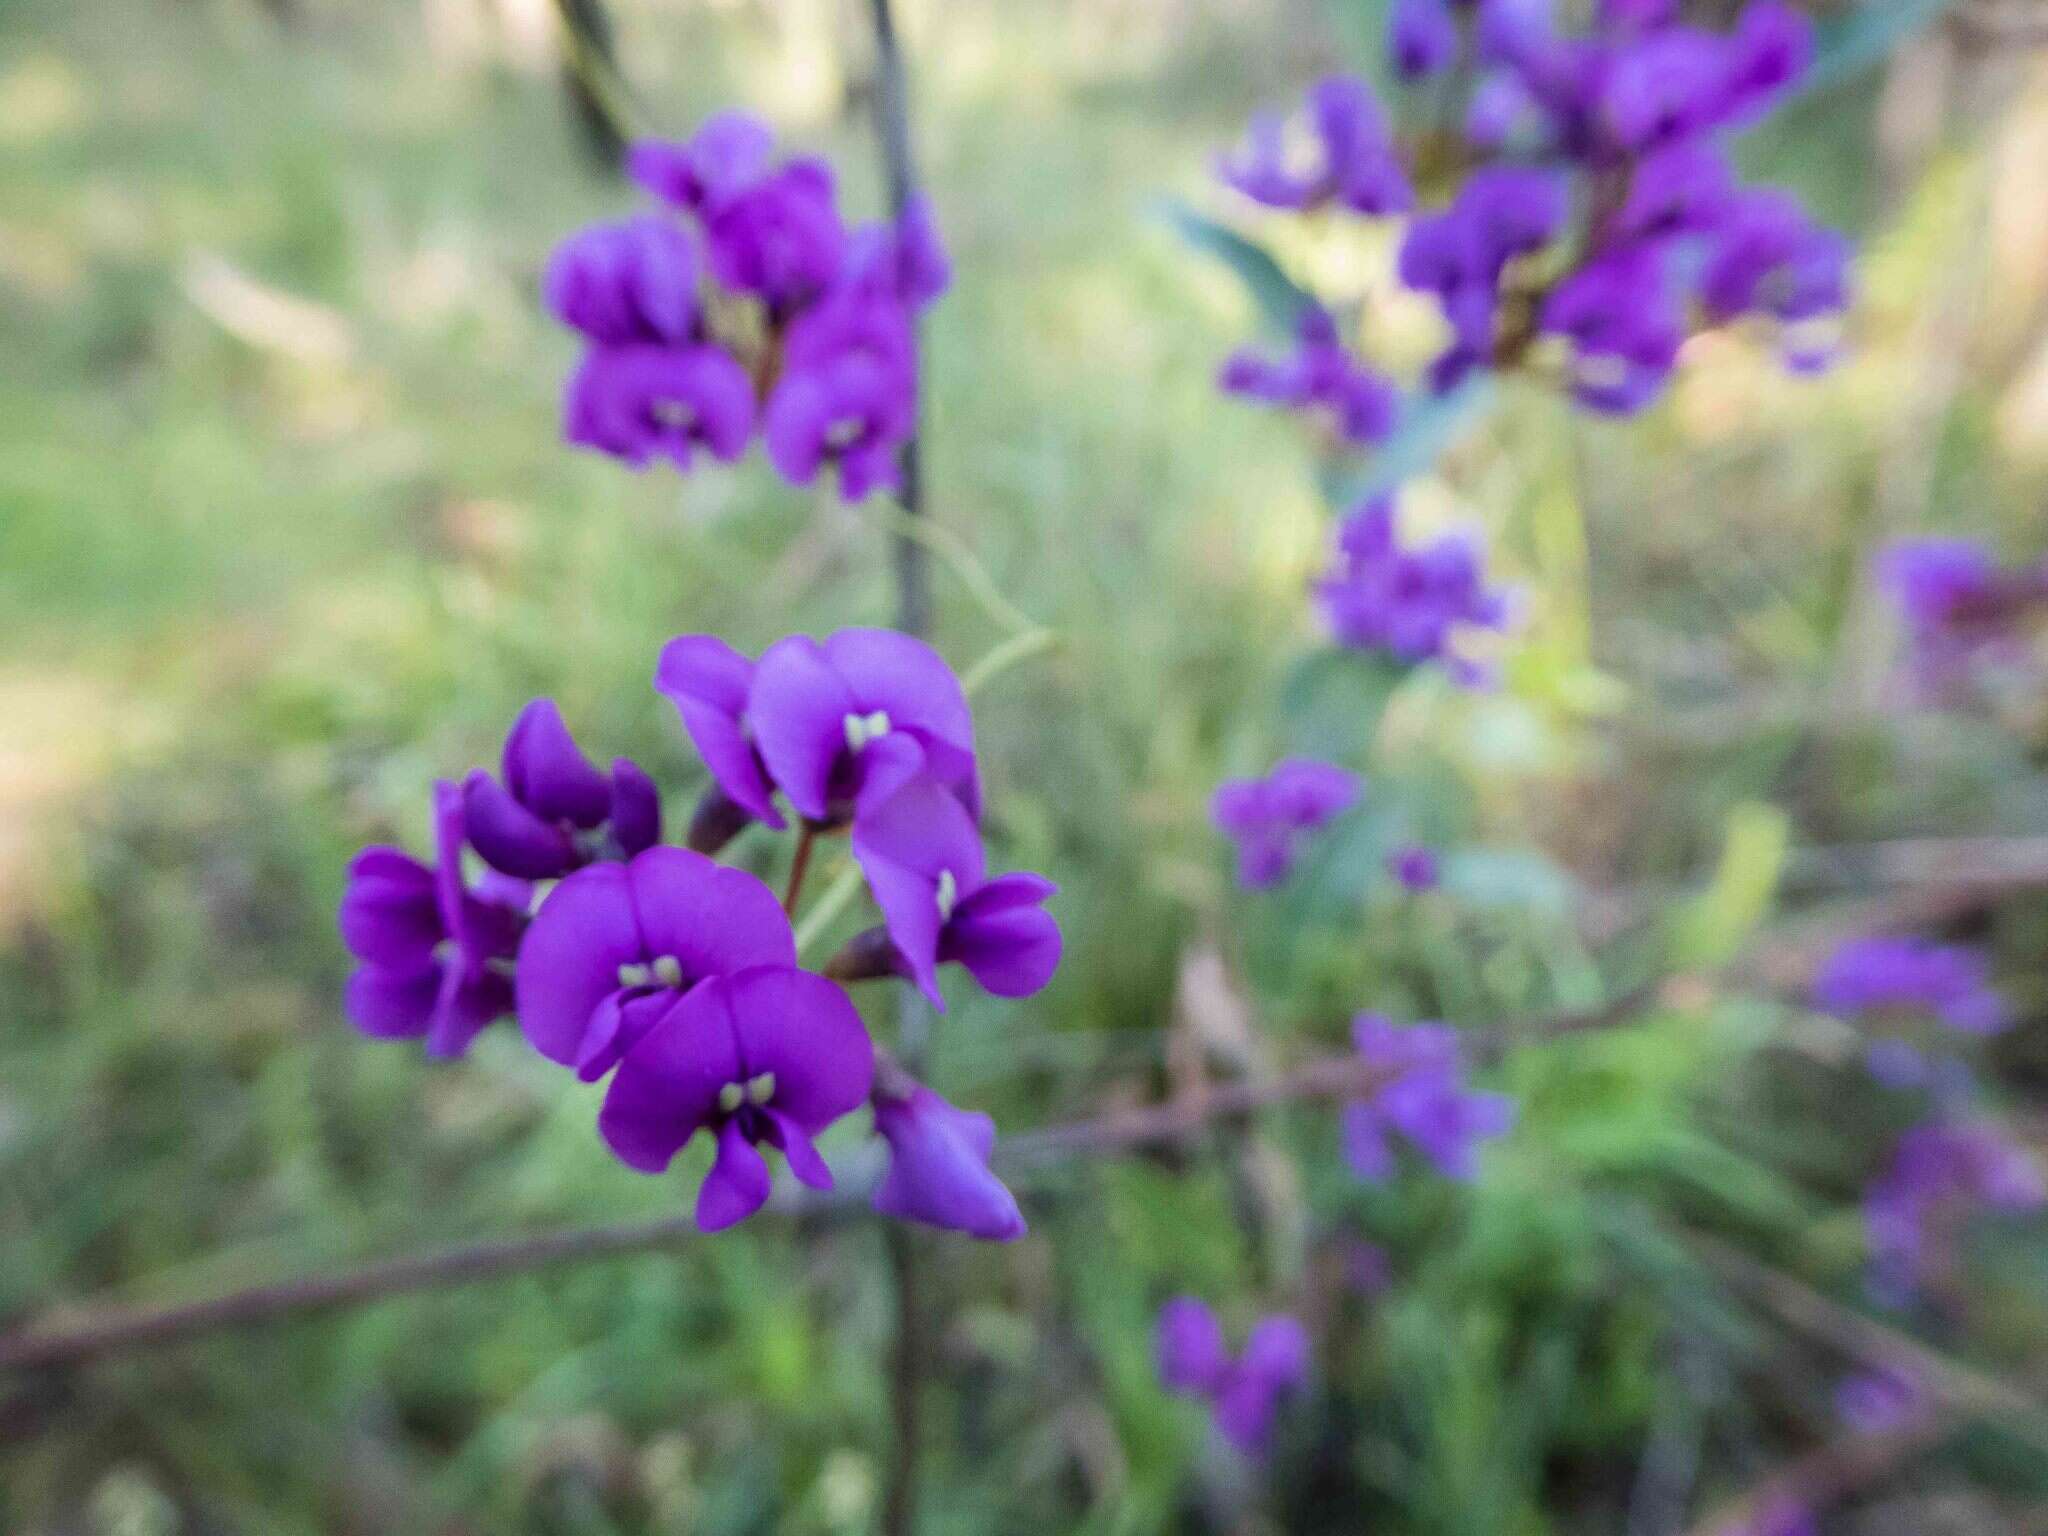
[707,681]
[798,705]
[803,1029]
[636,808]
[938,1168]
[666,1088]
[392,1005]
[547,772]
[1011,951]
[569,961]
[509,837]
[737,1185]
[389,915]
[712,918]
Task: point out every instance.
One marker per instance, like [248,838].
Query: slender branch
[906,1381]
[102,1330]
[892,123]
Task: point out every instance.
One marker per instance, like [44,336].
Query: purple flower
[923,860]
[768,1054]
[1678,191]
[1770,51]
[635,280]
[555,812]
[1422,37]
[847,394]
[1878,974]
[729,151]
[1663,88]
[1770,259]
[1423,1099]
[1414,867]
[1459,255]
[1621,315]
[778,236]
[1776,1515]
[938,1165]
[708,682]
[1355,162]
[1502,110]
[905,260]
[1958,604]
[1939,1175]
[1411,602]
[1318,375]
[640,402]
[1269,817]
[860,715]
[1876,1402]
[1244,1394]
[433,950]
[616,947]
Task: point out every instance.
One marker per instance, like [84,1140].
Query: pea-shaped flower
[857,717]
[1243,1393]
[1270,818]
[938,1164]
[433,951]
[555,812]
[923,860]
[708,682]
[769,1055]
[616,947]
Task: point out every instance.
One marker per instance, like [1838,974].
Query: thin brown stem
[906,1384]
[799,866]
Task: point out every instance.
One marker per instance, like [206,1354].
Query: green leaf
[1428,426]
[1709,929]
[1331,702]
[1281,301]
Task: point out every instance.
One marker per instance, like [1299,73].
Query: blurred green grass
[286,532]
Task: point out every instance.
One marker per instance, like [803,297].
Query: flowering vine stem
[913,617]
[799,864]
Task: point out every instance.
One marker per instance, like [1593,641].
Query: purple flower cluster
[1591,199]
[1945,981]
[1940,1175]
[1422,1098]
[1243,1392]
[745,303]
[1411,602]
[1270,818]
[1960,607]
[1318,376]
[677,977]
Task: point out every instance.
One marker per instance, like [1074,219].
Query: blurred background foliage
[286,532]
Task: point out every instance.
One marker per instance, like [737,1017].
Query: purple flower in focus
[615,949]
[1422,37]
[1411,602]
[923,860]
[1244,1394]
[433,951]
[1268,818]
[1876,1402]
[641,402]
[1318,375]
[1422,1098]
[856,718]
[728,152]
[1353,161]
[1940,1175]
[779,236]
[556,812]
[635,280]
[1414,867]
[1621,315]
[938,1165]
[767,1055]
[1878,974]
[847,394]
[708,682]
